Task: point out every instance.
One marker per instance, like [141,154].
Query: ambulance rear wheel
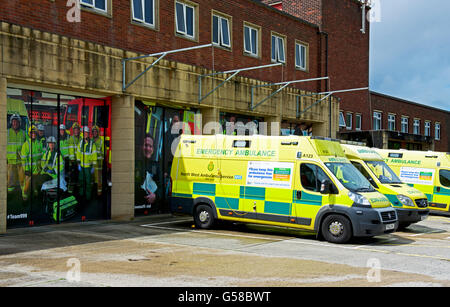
[336,229]
[204,217]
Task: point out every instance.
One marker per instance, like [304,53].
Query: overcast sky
[410,51]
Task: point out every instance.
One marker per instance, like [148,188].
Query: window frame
[306,62]
[358,128]
[416,125]
[229,20]
[258,40]
[278,37]
[142,22]
[194,7]
[402,123]
[349,121]
[437,131]
[392,121]
[427,128]
[376,119]
[342,117]
[107,12]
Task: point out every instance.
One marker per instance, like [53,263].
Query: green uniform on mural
[51,159]
[99,145]
[31,154]
[16,138]
[87,159]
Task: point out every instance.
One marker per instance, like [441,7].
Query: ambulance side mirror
[325,187]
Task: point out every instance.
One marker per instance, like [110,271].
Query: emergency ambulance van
[426,171]
[410,203]
[291,181]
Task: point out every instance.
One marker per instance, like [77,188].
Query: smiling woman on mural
[147,192]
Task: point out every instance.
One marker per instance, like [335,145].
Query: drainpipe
[327,81]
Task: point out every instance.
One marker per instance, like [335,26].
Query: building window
[427,128]
[405,124]
[349,121]
[144,11]
[377,121]
[251,40]
[278,47]
[185,19]
[301,55]
[341,120]
[437,131]
[221,31]
[391,122]
[100,5]
[416,127]
[358,122]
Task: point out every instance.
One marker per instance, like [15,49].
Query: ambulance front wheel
[204,217]
[336,229]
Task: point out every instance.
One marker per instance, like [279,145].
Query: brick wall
[348,47]
[309,10]
[118,31]
[400,108]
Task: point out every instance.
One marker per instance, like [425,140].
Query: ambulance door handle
[299,194]
[438,189]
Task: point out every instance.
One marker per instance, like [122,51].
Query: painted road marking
[299,241]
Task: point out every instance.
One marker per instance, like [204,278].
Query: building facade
[72,74]
[377,119]
[400,124]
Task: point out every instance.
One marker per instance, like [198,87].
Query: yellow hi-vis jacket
[14,145]
[49,164]
[72,144]
[86,153]
[31,154]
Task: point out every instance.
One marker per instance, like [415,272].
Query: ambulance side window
[444,177]
[362,170]
[308,177]
[311,177]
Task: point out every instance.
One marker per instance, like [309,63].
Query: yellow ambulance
[426,171]
[410,203]
[291,181]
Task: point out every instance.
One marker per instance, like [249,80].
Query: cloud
[410,51]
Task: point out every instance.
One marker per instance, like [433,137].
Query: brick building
[364,116]
[401,124]
[58,67]
[61,67]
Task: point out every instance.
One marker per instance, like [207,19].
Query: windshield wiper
[365,190]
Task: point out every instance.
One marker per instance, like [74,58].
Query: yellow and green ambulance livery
[426,171]
[410,203]
[293,181]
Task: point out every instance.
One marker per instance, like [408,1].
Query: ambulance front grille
[388,216]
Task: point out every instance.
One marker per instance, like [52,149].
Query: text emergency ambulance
[410,203]
[300,182]
[426,171]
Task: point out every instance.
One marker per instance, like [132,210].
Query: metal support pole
[284,85]
[234,72]
[328,94]
[161,55]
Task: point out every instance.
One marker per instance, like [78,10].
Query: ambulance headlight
[359,199]
[405,200]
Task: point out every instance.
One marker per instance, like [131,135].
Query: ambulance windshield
[350,177]
[383,172]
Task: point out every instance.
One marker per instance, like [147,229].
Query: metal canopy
[233,73]
[327,94]
[284,85]
[161,55]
